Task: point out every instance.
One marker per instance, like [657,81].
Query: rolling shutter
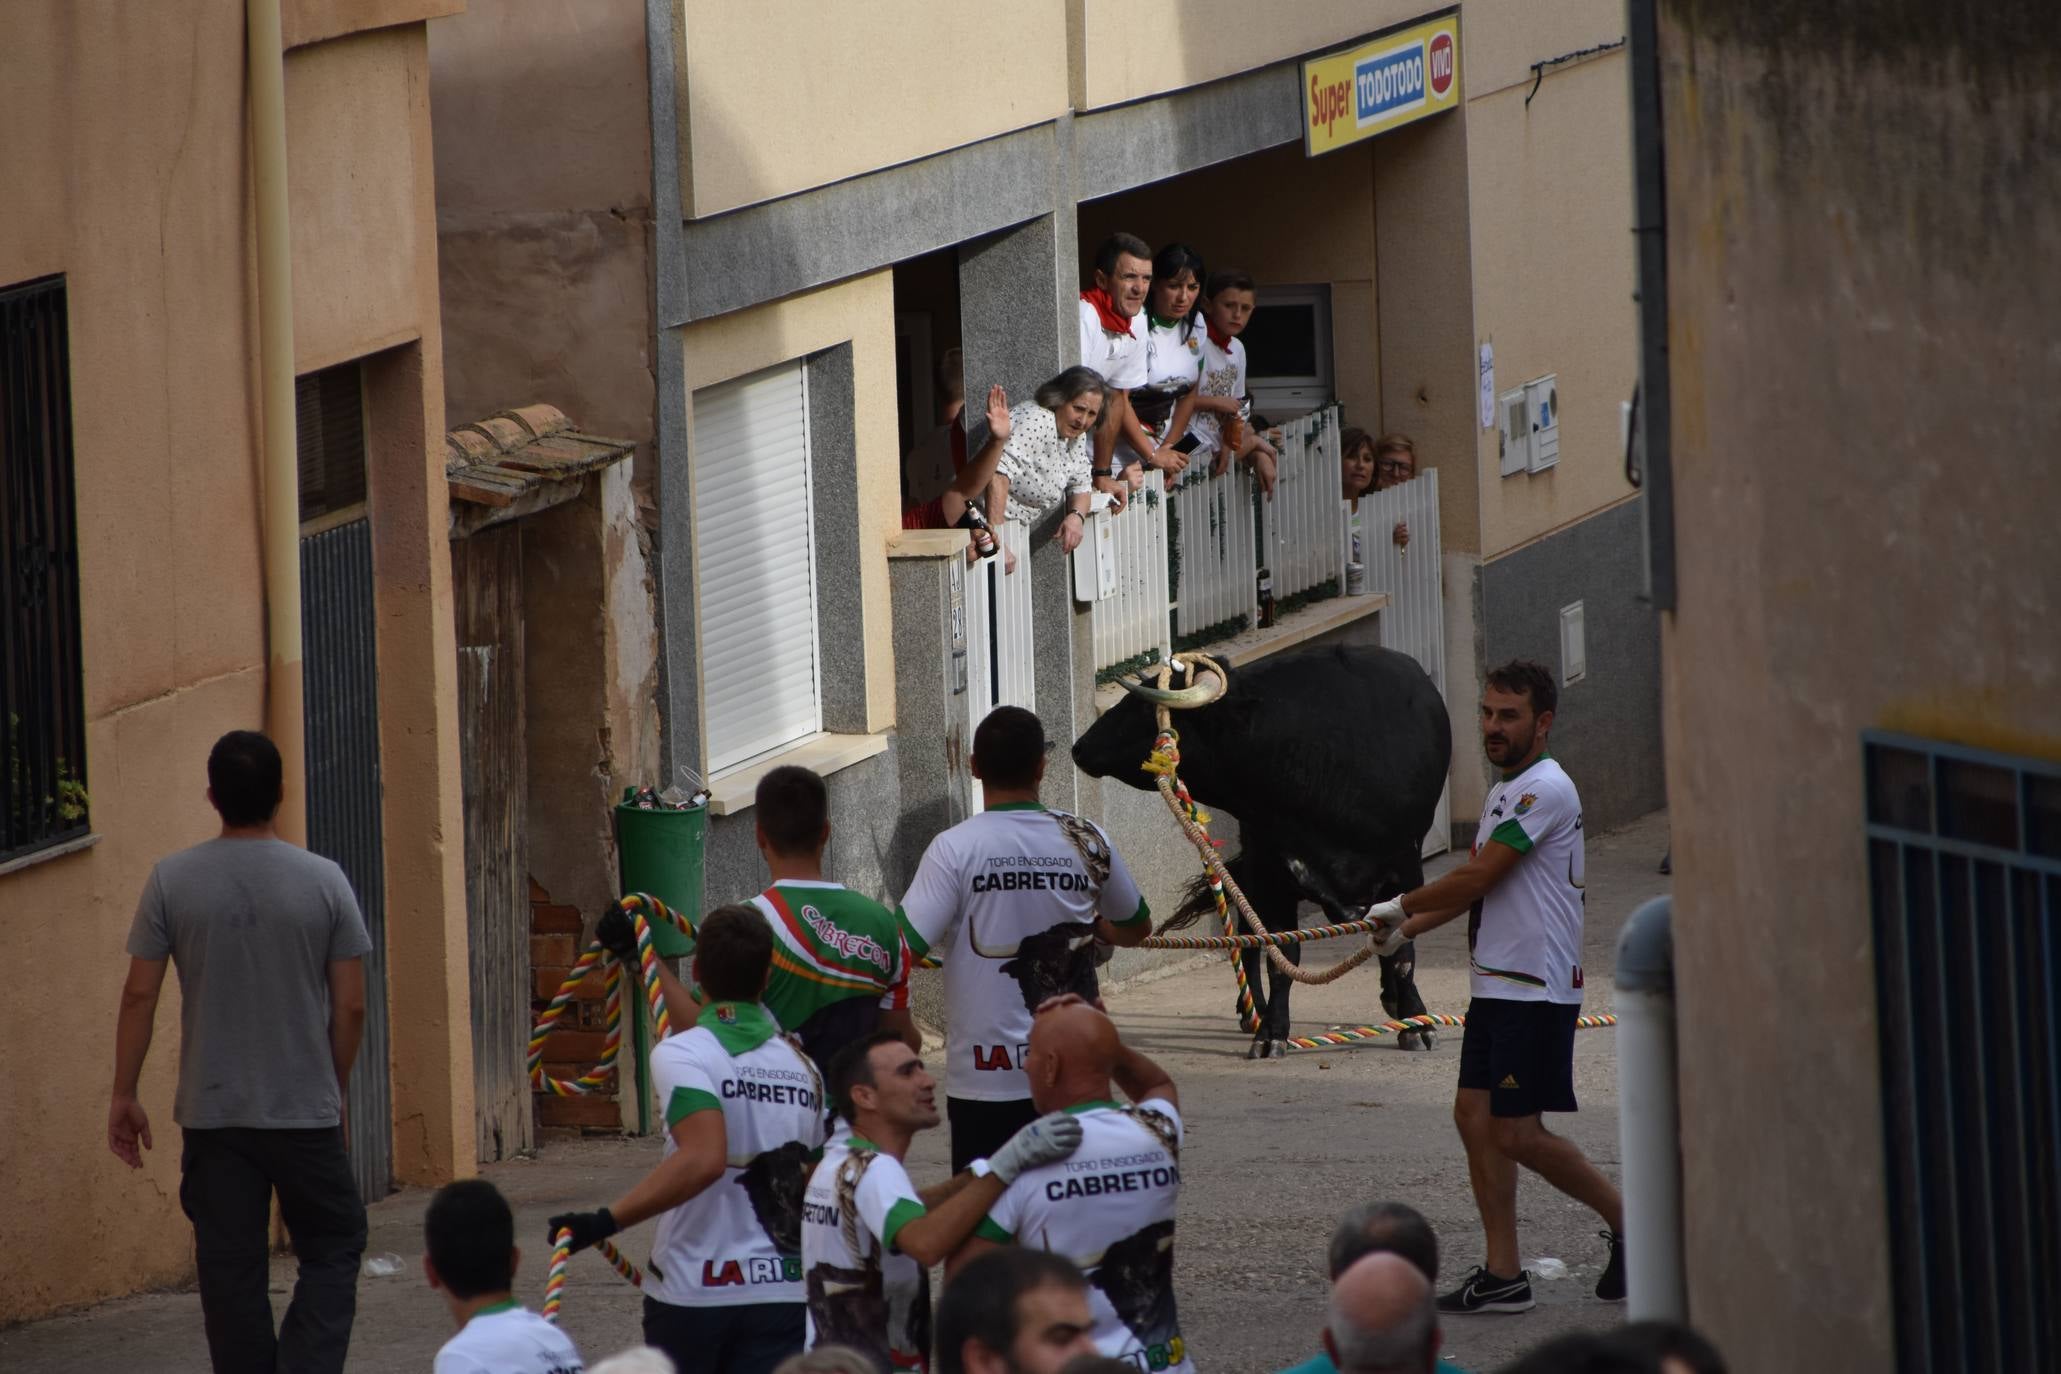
[755,565]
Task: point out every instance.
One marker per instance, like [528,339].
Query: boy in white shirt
[1229,299]
[471,1257]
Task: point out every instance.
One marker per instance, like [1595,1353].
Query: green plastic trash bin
[660,852]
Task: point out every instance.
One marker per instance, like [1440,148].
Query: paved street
[1275,1151]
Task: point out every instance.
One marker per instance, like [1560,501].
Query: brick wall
[556,938]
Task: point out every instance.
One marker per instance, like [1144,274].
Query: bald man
[1110,1207]
[1383,1318]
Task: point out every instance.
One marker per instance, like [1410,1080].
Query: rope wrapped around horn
[1199,692]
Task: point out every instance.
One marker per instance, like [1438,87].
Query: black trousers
[227,1180]
[981,1128]
[748,1339]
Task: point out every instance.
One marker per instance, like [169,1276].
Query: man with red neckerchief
[1113,343]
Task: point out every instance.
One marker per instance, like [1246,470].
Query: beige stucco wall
[1329,238]
[776,98]
[1852,553]
[1551,204]
[860,312]
[544,229]
[127,154]
[1128,49]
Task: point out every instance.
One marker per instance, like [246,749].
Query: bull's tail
[1197,901]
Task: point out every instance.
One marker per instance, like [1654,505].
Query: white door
[755,565]
[1414,621]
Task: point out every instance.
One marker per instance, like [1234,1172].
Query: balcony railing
[1182,569]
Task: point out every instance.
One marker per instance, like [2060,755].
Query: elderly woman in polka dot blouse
[1050,455]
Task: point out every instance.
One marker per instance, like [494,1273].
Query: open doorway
[1304,229]
[927,388]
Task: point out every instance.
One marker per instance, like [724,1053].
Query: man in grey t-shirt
[269,946]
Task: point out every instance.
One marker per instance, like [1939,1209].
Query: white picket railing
[1302,528]
[1000,666]
[1216,568]
[1411,575]
[1121,570]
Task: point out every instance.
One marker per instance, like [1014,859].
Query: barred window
[1964,866]
[43,799]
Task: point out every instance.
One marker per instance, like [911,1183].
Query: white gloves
[1049,1138]
[1388,937]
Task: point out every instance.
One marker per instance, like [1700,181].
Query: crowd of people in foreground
[791,1233]
[1163,384]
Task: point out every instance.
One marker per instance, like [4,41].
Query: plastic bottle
[383,1266]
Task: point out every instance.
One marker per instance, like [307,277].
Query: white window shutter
[1513,432]
[755,566]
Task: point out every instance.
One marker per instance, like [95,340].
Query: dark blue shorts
[1521,1054]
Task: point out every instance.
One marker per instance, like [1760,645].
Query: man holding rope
[1016,899]
[744,1111]
[1523,890]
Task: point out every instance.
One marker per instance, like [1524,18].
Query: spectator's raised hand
[998,413]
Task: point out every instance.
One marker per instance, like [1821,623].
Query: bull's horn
[1179,698]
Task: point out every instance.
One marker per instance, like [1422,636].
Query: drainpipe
[281,524]
[1649,1132]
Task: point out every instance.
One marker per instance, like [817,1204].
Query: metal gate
[1414,621]
[341,700]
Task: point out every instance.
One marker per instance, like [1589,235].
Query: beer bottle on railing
[1266,598]
[983,533]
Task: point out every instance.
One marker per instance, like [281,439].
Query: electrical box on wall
[1542,399]
[1513,432]
[1574,646]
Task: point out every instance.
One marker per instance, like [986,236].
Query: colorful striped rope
[1346,1035]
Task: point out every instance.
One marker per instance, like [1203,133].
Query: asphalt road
[1275,1152]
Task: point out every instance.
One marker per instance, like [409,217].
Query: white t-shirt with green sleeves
[718,1248]
[1007,901]
[876,1299]
[508,1338]
[1524,939]
[1109,1207]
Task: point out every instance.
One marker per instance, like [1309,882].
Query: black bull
[1332,760]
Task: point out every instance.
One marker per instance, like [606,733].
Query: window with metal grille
[329,419]
[1964,864]
[42,702]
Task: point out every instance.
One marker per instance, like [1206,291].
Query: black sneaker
[1610,1287]
[1485,1292]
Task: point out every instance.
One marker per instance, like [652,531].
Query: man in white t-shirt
[744,1114]
[1523,888]
[1014,901]
[1113,334]
[470,1257]
[868,1234]
[1110,1206]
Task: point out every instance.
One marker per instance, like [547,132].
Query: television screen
[1281,340]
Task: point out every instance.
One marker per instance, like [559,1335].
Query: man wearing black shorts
[1522,890]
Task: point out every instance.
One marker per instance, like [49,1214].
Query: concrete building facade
[751,189]
[1859,600]
[131,221]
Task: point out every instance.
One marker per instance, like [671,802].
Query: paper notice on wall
[1488,386]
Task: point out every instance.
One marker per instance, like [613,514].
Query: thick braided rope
[1345,1035]
[1165,762]
[554,1285]
[602,1076]
[1278,937]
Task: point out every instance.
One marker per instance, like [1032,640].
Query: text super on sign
[1380,84]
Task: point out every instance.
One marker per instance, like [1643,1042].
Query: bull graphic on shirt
[775,1181]
[1137,1276]
[850,1307]
[1058,959]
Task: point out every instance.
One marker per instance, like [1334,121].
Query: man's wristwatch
[980,1168]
